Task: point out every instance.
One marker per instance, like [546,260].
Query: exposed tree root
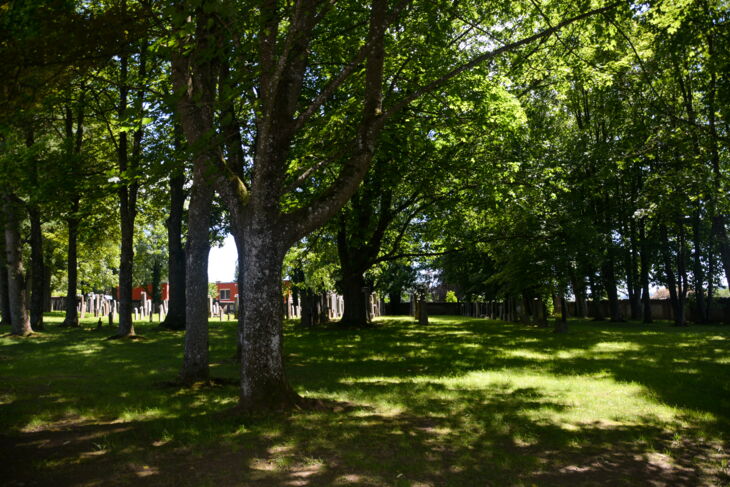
[19,335]
[172,325]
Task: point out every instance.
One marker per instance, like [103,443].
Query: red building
[227,292]
[137,292]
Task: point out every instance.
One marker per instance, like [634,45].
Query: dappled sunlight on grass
[457,402]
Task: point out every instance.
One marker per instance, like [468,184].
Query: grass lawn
[460,402]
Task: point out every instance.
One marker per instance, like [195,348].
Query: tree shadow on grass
[471,437]
[434,433]
[683,368]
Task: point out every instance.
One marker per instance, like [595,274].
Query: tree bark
[395,300]
[129,161]
[308,317]
[195,359]
[324,309]
[72,314]
[354,299]
[37,269]
[670,279]
[632,274]
[697,269]
[195,75]
[263,381]
[561,324]
[682,279]
[644,257]
[126,263]
[175,319]
[579,289]
[609,278]
[74,141]
[20,322]
[596,293]
[4,296]
[47,302]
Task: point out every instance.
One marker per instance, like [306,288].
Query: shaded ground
[457,403]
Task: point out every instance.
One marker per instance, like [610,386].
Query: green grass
[459,402]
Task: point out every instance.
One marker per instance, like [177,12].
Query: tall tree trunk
[354,299]
[394,298]
[644,257]
[609,278]
[72,314]
[20,323]
[175,319]
[156,272]
[324,309]
[4,297]
[579,289]
[561,324]
[37,269]
[682,281]
[596,294]
[719,230]
[718,224]
[710,283]
[697,269]
[47,289]
[128,164]
[195,75]
[126,265]
[74,141]
[195,358]
[263,380]
[308,317]
[670,279]
[632,274]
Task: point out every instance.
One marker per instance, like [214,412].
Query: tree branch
[345,73]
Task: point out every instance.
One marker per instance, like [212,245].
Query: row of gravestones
[100,305]
[334,303]
[335,306]
[104,305]
[508,310]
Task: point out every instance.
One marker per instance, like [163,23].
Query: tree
[4,289]
[175,319]
[295,98]
[19,319]
[72,160]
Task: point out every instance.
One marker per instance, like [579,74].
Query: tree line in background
[514,151]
